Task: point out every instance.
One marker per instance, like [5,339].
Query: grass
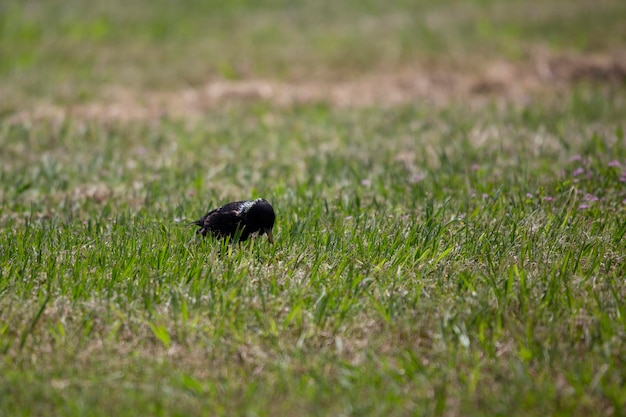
[71,51]
[464,259]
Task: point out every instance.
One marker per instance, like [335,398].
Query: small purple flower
[475,167]
[590,197]
[548,198]
[485,195]
[529,195]
[366,182]
[578,171]
[576,158]
[415,178]
[583,206]
[614,163]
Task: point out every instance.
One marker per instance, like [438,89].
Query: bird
[239,220]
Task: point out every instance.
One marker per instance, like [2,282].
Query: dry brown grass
[432,83]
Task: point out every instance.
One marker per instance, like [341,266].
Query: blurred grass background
[67,50]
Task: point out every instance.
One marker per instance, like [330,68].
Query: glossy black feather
[239,219]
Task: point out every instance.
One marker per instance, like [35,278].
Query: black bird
[240,218]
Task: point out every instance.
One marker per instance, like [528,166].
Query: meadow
[449,180]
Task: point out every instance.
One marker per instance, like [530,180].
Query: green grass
[466,259]
[417,269]
[69,51]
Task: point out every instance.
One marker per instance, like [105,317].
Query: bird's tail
[199,223]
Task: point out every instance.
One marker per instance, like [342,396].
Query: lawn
[449,180]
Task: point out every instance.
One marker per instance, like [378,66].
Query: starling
[239,219]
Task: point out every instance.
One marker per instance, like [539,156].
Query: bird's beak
[270,235]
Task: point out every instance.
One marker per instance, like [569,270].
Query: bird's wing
[230,207]
[223,221]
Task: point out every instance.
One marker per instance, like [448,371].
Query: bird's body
[239,219]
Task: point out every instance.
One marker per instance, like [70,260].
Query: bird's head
[261,215]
